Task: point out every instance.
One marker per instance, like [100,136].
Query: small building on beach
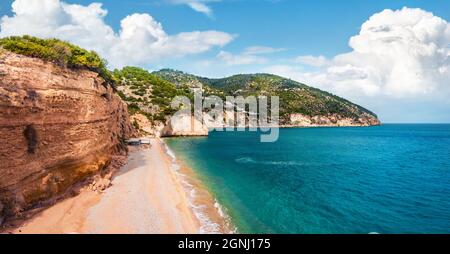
[138,142]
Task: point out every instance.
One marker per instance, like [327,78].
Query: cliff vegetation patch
[59,52]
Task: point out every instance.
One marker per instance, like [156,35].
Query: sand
[146,196]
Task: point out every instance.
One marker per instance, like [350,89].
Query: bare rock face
[1,213]
[301,120]
[145,126]
[57,127]
[184,125]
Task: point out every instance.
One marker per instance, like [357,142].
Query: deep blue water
[385,179]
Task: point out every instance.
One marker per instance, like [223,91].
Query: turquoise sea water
[385,179]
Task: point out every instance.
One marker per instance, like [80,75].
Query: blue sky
[304,27]
[303,40]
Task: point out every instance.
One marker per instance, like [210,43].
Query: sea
[388,179]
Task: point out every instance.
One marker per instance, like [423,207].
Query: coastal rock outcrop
[300,120]
[184,125]
[57,127]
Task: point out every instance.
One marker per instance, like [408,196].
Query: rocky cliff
[300,120]
[184,125]
[57,127]
[149,101]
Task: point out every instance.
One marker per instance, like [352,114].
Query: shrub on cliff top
[59,52]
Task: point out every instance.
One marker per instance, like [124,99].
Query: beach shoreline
[209,212]
[152,193]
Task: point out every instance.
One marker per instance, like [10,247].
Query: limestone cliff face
[184,125]
[57,127]
[300,120]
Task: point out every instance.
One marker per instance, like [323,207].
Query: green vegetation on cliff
[59,52]
[182,79]
[147,93]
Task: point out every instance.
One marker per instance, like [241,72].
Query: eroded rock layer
[57,127]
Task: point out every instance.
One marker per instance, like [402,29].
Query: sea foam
[207,226]
[248,160]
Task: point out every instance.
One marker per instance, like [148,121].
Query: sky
[392,57]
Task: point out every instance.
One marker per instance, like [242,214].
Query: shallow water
[385,179]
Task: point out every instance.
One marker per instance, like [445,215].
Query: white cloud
[257,50]
[141,39]
[200,7]
[398,54]
[315,61]
[197,5]
[240,59]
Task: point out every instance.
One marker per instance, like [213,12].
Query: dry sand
[146,196]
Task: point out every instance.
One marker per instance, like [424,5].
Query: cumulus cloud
[197,5]
[398,54]
[141,39]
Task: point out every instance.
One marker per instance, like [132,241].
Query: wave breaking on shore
[201,208]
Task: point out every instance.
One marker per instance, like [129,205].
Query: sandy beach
[147,196]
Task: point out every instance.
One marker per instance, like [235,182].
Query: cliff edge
[58,126]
